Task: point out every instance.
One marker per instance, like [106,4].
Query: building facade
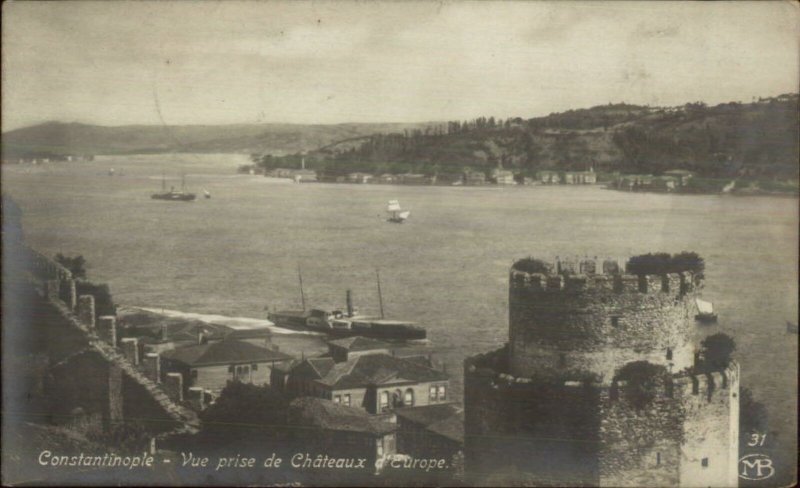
[376,382]
[553,406]
[211,365]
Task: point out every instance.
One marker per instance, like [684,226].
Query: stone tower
[554,406]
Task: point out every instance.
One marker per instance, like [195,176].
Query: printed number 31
[757,440]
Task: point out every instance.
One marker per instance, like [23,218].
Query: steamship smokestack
[349,303]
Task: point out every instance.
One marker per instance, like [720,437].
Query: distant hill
[74,138]
[758,139]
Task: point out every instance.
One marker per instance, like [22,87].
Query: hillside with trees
[757,140]
[54,138]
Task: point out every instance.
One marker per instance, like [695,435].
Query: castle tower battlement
[553,407]
[593,323]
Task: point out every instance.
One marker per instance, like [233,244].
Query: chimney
[349,303]
[152,366]
[130,349]
[107,325]
[72,299]
[173,384]
[196,395]
[86,310]
[53,290]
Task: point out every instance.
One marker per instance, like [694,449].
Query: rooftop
[446,420]
[325,414]
[359,343]
[224,352]
[374,369]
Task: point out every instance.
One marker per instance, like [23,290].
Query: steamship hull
[339,326]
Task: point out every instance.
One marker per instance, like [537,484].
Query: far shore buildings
[298,175]
[503,176]
[669,181]
[548,177]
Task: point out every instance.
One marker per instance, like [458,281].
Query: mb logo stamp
[756,467]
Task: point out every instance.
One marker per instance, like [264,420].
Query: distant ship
[398,215]
[729,187]
[173,194]
[346,323]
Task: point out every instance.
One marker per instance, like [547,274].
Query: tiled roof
[325,414]
[224,352]
[451,428]
[377,369]
[446,419]
[359,343]
[321,366]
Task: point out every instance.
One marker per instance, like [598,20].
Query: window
[432,393]
[194,374]
[337,399]
[704,462]
[615,321]
[347,399]
[408,398]
[442,392]
[254,367]
[669,354]
[384,399]
[242,373]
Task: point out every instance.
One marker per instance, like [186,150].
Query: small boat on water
[397,214]
[173,194]
[705,311]
[729,187]
[346,323]
[791,327]
[206,193]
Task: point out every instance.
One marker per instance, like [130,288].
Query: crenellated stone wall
[596,323]
[578,432]
[550,409]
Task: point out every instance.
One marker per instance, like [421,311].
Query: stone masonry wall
[594,324]
[544,433]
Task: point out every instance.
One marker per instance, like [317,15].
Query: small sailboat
[206,193]
[705,311]
[173,195]
[398,215]
[729,187]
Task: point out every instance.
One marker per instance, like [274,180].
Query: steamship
[347,323]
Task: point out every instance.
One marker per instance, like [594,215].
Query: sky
[206,62]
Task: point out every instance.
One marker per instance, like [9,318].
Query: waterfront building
[503,176]
[359,177]
[681,175]
[212,364]
[549,177]
[474,178]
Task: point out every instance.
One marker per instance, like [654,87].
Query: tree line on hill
[730,140]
